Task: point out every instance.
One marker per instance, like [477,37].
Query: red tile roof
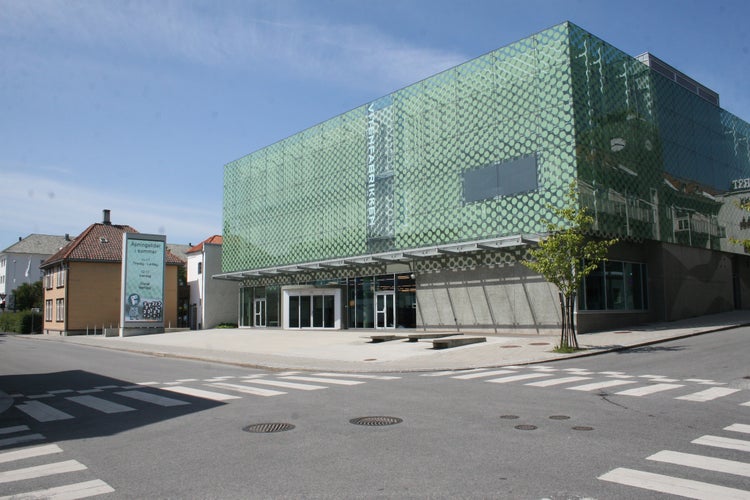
[212,240]
[99,243]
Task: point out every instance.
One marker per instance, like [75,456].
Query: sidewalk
[351,350]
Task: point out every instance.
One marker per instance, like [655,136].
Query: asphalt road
[132,426]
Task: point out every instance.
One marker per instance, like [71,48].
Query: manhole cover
[746,377]
[582,428]
[526,427]
[509,346]
[539,343]
[559,417]
[509,417]
[620,333]
[375,421]
[268,427]
[371,359]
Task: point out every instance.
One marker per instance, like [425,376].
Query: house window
[61,277]
[48,310]
[615,286]
[48,280]
[200,267]
[60,309]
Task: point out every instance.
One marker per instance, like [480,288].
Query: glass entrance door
[259,312]
[385,310]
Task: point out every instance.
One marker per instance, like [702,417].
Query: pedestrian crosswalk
[64,404]
[23,466]
[686,462]
[614,382]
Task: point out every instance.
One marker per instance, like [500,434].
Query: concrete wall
[220,303]
[503,299]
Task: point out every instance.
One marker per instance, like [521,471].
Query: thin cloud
[355,55]
[43,205]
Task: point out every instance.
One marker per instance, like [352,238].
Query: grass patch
[566,349]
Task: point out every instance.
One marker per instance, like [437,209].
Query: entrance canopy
[395,256]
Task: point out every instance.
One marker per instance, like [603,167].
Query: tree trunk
[568,334]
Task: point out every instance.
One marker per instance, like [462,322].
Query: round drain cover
[526,427]
[269,427]
[582,428]
[559,417]
[375,421]
[539,343]
[508,346]
[509,417]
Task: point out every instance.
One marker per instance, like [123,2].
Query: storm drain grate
[559,417]
[509,417]
[509,346]
[582,428]
[539,343]
[526,427]
[268,427]
[375,421]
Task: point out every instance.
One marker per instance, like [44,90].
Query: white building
[19,263]
[212,302]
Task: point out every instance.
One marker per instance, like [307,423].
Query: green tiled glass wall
[389,175]
[653,160]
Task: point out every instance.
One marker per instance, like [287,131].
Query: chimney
[106,220]
[67,236]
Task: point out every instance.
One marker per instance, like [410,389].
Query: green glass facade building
[415,209]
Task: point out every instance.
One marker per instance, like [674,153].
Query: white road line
[104,387]
[41,471]
[745,404]
[600,385]
[516,378]
[580,371]
[557,381]
[334,381]
[246,389]
[352,375]
[244,377]
[200,393]
[738,428]
[147,383]
[129,387]
[21,439]
[89,391]
[709,394]
[673,485]
[701,462]
[452,372]
[40,396]
[722,442]
[287,373]
[482,374]
[649,389]
[289,385]
[69,492]
[61,391]
[43,412]
[703,381]
[183,380]
[542,369]
[34,451]
[612,373]
[100,404]
[15,428]
[152,398]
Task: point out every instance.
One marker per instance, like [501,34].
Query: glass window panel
[317,311]
[329,314]
[272,305]
[304,311]
[594,290]
[615,285]
[293,311]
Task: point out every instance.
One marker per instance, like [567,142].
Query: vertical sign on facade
[379,184]
[143,277]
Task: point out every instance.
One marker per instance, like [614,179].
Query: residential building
[83,282]
[417,209]
[212,302]
[19,263]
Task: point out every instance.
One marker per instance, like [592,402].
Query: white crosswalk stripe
[491,373]
[702,462]
[453,372]
[594,386]
[673,485]
[14,429]
[289,385]
[34,451]
[152,398]
[246,389]
[100,404]
[41,471]
[200,393]
[708,394]
[42,412]
[738,428]
[516,378]
[352,375]
[26,438]
[557,381]
[69,492]
[649,389]
[335,381]
[723,442]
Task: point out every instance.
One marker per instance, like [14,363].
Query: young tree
[565,256]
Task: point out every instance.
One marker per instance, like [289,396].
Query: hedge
[20,322]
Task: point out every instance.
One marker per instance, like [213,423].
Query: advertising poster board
[143,281]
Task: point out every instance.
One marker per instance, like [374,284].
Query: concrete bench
[385,338]
[446,343]
[414,337]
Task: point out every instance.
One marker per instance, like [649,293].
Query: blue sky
[136,106]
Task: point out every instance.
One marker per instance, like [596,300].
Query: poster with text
[143,280]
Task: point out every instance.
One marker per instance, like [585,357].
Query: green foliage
[21,322]
[28,296]
[565,349]
[226,325]
[566,255]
